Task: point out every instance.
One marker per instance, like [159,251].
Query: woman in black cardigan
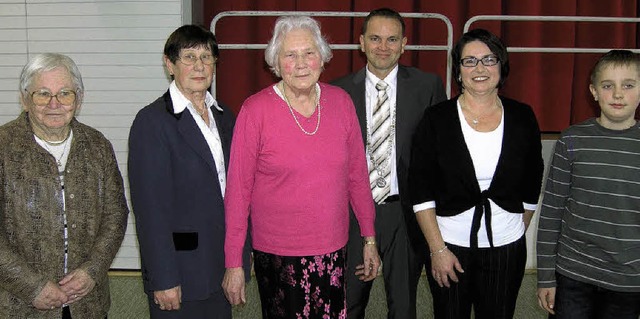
[475,178]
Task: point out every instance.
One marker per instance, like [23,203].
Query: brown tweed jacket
[31,226]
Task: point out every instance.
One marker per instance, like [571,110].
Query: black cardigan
[441,168]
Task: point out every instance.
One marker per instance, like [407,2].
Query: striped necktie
[380,146]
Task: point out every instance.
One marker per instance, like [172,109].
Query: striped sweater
[589,228]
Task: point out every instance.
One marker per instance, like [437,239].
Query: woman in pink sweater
[297,163]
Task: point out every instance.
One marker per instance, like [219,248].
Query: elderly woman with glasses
[475,177]
[63,212]
[297,162]
[178,159]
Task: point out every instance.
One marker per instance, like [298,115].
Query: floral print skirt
[306,287]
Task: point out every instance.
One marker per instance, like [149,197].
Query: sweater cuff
[366,228]
[233,259]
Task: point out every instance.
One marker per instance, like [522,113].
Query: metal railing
[336,14]
[467,25]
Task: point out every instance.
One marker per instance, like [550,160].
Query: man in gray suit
[404,94]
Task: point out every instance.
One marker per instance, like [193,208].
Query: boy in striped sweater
[589,229]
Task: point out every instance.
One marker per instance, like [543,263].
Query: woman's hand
[444,265]
[233,286]
[368,270]
[50,297]
[169,299]
[76,285]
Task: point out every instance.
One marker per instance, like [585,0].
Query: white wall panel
[12,8]
[103,8]
[15,59]
[99,34]
[130,52]
[9,96]
[135,21]
[124,59]
[118,48]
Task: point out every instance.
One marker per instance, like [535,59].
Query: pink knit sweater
[296,188]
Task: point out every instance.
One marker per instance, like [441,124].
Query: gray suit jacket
[416,90]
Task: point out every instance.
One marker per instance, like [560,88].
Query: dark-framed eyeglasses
[191,59]
[43,97]
[470,62]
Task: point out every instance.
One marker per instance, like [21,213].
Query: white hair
[286,24]
[46,62]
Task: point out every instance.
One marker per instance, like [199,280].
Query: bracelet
[369,242]
[439,251]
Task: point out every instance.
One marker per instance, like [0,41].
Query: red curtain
[554,84]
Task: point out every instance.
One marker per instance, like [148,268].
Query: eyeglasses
[43,98]
[191,59]
[489,60]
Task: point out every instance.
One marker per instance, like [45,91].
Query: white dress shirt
[210,132]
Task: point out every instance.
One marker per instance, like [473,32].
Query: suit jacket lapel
[359,100]
[403,109]
[191,133]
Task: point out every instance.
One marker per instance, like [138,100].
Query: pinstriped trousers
[490,282]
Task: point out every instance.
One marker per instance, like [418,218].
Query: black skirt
[306,287]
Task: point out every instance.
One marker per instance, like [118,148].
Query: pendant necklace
[475,118]
[65,148]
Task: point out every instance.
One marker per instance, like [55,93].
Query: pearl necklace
[294,115]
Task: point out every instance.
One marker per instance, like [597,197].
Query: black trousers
[490,283]
[66,313]
[402,265]
[580,300]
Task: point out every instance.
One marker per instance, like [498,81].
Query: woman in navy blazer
[178,154]
[475,178]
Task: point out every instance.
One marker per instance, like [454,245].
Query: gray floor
[128,300]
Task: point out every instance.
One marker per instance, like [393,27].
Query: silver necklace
[475,117]
[56,143]
[381,169]
[64,150]
[294,115]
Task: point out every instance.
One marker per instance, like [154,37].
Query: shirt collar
[390,79]
[180,102]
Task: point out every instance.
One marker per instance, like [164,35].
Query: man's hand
[76,285]
[50,297]
[234,286]
[169,299]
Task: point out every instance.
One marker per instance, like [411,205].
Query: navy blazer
[176,198]
[416,90]
[442,169]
